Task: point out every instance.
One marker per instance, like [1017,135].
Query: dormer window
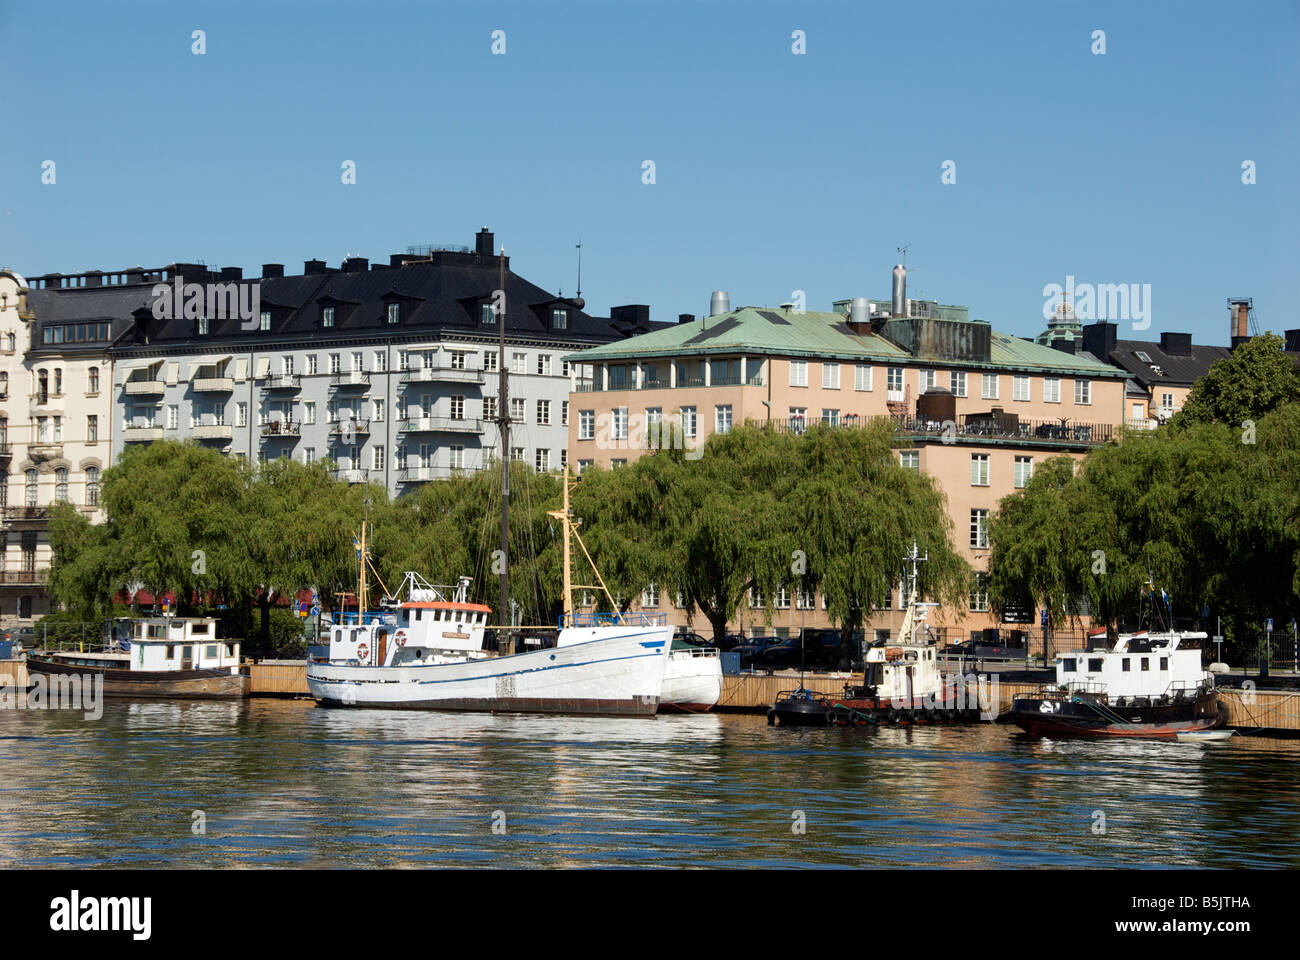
[394,312]
[486,313]
[265,322]
[203,326]
[327,316]
[559,319]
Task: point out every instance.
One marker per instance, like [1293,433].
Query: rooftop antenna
[902,252]
[580,266]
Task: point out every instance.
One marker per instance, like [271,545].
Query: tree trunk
[264,630]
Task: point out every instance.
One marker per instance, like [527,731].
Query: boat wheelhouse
[179,657]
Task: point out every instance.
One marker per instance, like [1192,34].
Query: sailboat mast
[568,554]
[503,421]
[361,591]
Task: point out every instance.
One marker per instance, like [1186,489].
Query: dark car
[694,639]
[750,649]
[815,649]
[22,637]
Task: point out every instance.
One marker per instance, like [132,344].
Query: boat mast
[361,591]
[565,516]
[503,422]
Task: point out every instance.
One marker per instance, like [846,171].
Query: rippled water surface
[283,783]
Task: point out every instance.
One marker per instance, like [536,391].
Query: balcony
[281,428]
[41,450]
[440,425]
[442,374]
[283,381]
[1141,423]
[352,378]
[1001,428]
[351,475]
[213,431]
[142,434]
[27,514]
[659,383]
[341,428]
[213,385]
[422,474]
[6,453]
[145,388]
[25,576]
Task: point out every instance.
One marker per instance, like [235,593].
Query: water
[282,783]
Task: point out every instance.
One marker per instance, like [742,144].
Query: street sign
[1043,619]
[1268,626]
[315,611]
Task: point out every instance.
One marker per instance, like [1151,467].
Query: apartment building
[975,408]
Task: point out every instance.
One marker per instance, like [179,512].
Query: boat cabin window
[1146,663]
[354,636]
[1068,664]
[199,628]
[1164,663]
[171,651]
[212,651]
[1126,665]
[187,651]
[1094,664]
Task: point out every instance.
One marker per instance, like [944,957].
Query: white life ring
[400,638]
[1047,706]
[363,651]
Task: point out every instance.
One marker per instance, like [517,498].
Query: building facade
[975,408]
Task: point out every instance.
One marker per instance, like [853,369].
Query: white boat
[1197,736]
[692,679]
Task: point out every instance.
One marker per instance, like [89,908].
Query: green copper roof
[817,335]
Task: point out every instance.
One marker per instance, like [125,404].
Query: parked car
[22,637]
[816,649]
[694,639]
[751,648]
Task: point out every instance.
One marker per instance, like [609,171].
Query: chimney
[1064,344]
[272,270]
[1176,344]
[1099,339]
[860,315]
[1239,320]
[636,314]
[719,303]
[93,278]
[313,267]
[232,273]
[484,243]
[356,265]
[685,318]
[899,305]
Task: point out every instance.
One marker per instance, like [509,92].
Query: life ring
[363,651]
[400,638]
[1047,706]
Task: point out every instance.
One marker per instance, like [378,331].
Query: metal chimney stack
[719,303]
[860,312]
[900,291]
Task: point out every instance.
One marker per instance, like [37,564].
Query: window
[1144,663]
[619,424]
[264,321]
[564,413]
[31,488]
[654,417]
[583,465]
[517,410]
[58,429]
[1167,403]
[830,376]
[202,326]
[309,455]
[173,416]
[61,485]
[989,383]
[911,459]
[830,417]
[894,378]
[782,598]
[1023,470]
[377,411]
[92,428]
[311,364]
[927,379]
[559,319]
[92,380]
[309,412]
[42,387]
[1051,389]
[489,408]
[490,358]
[377,458]
[722,418]
[543,364]
[755,599]
[650,596]
[517,453]
[358,362]
[688,421]
[1069,665]
[1094,665]
[979,469]
[804,599]
[1164,663]
[487,313]
[957,382]
[586,424]
[542,460]
[519,363]
[979,529]
[92,486]
[58,381]
[241,414]
[863,374]
[798,373]
[1083,391]
[394,312]
[1124,664]
[564,459]
[979,594]
[381,361]
[458,407]
[327,316]
[543,412]
[798,419]
[457,453]
[1020,387]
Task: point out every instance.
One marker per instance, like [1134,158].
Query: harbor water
[273,783]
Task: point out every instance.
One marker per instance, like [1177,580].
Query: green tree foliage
[1256,378]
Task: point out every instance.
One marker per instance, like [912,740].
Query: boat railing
[365,619]
[1074,690]
[635,619]
[1184,689]
[696,651]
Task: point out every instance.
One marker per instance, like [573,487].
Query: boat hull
[1049,717]
[619,676]
[144,684]
[692,683]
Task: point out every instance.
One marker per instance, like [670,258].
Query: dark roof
[85,304]
[1173,369]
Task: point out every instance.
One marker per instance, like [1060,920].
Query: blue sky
[774,172]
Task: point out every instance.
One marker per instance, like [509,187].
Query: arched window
[92,486]
[31,488]
[61,485]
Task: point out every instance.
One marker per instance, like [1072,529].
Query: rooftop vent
[719,303]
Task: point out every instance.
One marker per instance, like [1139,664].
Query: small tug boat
[1147,685]
[168,657]
[901,684]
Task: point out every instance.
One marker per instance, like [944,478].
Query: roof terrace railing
[968,426]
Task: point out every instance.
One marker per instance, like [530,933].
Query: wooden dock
[278,678]
[13,674]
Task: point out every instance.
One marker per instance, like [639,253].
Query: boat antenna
[503,423]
